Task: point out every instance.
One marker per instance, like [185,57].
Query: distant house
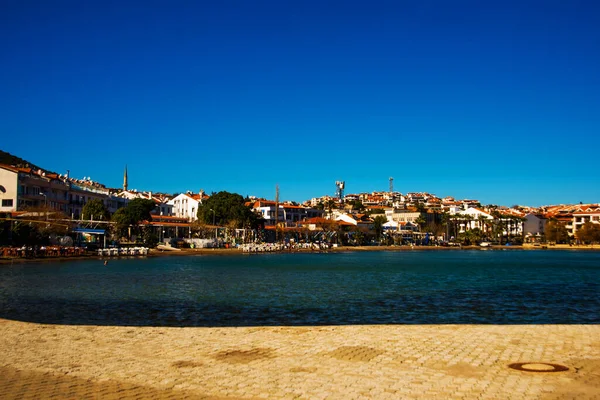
[9,185]
[534,226]
[590,214]
[358,220]
[186,205]
[476,219]
[403,215]
[289,214]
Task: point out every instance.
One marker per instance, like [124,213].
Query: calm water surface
[410,287]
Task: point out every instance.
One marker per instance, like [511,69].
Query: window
[7,202]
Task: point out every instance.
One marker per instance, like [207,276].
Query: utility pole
[276,212]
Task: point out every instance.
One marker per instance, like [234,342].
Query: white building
[476,219]
[9,183]
[402,216]
[289,213]
[534,226]
[581,217]
[186,205]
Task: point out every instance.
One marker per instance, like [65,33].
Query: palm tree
[445,220]
[481,219]
[421,222]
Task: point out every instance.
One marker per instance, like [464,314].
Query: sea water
[388,287]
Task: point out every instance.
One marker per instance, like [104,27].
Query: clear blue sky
[494,100]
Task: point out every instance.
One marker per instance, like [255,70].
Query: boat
[485,244]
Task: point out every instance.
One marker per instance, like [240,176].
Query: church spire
[125,179]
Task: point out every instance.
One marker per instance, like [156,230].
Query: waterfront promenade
[336,362]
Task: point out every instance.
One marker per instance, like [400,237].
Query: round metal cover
[538,367]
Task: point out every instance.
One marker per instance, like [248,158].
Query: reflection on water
[420,287]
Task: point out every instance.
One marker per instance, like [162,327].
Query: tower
[339,190]
[391,185]
[125,179]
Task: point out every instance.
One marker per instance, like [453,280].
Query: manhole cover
[538,367]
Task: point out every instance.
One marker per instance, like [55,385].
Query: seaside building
[9,186]
[289,214]
[476,218]
[589,214]
[185,205]
[23,188]
[534,226]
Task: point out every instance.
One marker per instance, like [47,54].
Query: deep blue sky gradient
[498,100]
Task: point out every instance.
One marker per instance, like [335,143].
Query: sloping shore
[235,251]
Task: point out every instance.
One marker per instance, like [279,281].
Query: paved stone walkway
[344,362]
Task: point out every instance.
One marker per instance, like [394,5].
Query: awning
[90,231]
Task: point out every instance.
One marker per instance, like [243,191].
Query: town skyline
[126,186]
[496,101]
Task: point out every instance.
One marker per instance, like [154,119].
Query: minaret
[125,179]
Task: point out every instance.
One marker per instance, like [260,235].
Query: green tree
[331,204]
[378,223]
[589,233]
[26,234]
[420,207]
[127,219]
[357,205]
[421,221]
[139,210]
[556,232]
[225,207]
[95,208]
[122,221]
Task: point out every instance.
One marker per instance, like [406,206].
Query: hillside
[9,159]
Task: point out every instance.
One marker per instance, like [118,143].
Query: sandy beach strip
[335,362]
[234,251]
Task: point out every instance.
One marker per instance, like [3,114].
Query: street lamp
[214,215]
[45,204]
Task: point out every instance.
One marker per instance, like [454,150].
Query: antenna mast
[339,190]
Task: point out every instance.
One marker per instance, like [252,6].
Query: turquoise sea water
[408,287]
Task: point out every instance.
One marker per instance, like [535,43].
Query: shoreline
[341,249]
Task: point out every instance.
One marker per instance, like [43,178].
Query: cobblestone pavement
[341,362]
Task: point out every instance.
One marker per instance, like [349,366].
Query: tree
[139,210]
[556,232]
[136,211]
[421,221]
[123,221]
[225,207]
[589,233]
[357,205]
[148,237]
[330,204]
[202,230]
[378,223]
[420,207]
[95,208]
